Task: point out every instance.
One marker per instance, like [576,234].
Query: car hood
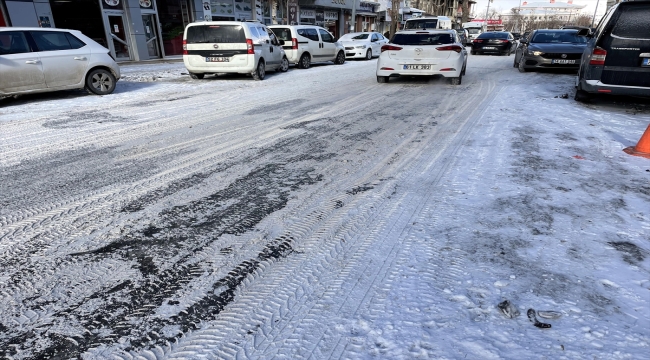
[558,48]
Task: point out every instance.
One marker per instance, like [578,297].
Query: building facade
[562,12]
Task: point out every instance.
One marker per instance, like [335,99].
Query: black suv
[617,58]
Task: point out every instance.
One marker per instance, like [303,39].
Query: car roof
[207,23]
[432,31]
[33,29]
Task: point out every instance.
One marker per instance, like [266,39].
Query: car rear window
[222,34]
[548,37]
[282,33]
[633,22]
[493,35]
[474,31]
[421,24]
[422,39]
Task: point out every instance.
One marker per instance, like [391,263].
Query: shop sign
[339,4]
[320,16]
[366,7]
[224,8]
[292,11]
[307,14]
[43,21]
[331,15]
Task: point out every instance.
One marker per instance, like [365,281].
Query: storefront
[329,14]
[366,16]
[130,29]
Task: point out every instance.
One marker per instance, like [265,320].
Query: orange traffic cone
[642,148]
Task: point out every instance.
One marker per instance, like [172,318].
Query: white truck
[428,22]
[475,29]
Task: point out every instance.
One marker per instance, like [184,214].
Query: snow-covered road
[319,214]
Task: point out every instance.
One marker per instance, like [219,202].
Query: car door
[309,36]
[64,57]
[375,44]
[20,67]
[328,45]
[262,40]
[275,48]
[521,49]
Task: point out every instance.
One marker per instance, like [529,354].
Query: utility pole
[518,17]
[594,18]
[486,15]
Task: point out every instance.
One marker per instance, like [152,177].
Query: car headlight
[361,47]
[535,52]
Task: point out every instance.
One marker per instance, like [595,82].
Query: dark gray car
[617,57]
[550,49]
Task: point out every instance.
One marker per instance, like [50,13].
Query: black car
[494,42]
[617,56]
[548,49]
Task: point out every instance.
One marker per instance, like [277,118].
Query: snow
[320,214]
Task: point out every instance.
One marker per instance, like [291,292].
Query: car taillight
[250,47]
[598,57]
[477,40]
[390,47]
[455,48]
[505,41]
[294,44]
[184,47]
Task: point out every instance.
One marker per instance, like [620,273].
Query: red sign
[489,22]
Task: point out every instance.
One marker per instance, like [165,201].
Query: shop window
[174,16]
[82,15]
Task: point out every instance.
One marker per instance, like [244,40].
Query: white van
[305,44]
[212,47]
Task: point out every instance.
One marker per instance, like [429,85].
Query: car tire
[369,54]
[197,76]
[284,66]
[456,80]
[521,67]
[100,82]
[382,79]
[473,52]
[305,61]
[582,96]
[260,71]
[340,58]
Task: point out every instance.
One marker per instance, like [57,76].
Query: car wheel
[340,58]
[305,61]
[582,96]
[473,52]
[382,79]
[456,80]
[369,54]
[100,82]
[197,76]
[260,72]
[522,69]
[284,66]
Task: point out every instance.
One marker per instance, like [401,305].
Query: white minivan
[305,44]
[212,47]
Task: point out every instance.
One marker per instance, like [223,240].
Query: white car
[363,45]
[423,53]
[212,47]
[306,44]
[34,60]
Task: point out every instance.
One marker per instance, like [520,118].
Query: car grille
[559,56]
[626,78]
[349,48]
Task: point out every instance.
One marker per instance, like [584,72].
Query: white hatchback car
[306,44]
[363,45]
[423,53]
[248,47]
[34,60]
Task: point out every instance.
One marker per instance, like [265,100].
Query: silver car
[34,60]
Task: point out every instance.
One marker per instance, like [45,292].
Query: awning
[410,10]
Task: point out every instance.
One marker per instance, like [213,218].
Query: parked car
[463,35]
[307,44]
[364,45]
[212,47]
[423,53]
[34,60]
[617,56]
[550,49]
[494,42]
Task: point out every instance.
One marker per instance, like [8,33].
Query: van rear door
[628,47]
[216,44]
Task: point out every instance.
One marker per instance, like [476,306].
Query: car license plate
[646,61]
[489,48]
[563,61]
[217,59]
[417,67]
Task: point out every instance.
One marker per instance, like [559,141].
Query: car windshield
[421,24]
[215,34]
[493,35]
[558,37]
[282,33]
[355,37]
[474,31]
[422,39]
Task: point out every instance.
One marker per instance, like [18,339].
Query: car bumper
[538,62]
[384,67]
[598,87]
[497,49]
[356,54]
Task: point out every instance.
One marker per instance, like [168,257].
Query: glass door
[151,34]
[118,39]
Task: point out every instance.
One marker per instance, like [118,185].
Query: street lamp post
[518,17]
[486,15]
[594,18]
